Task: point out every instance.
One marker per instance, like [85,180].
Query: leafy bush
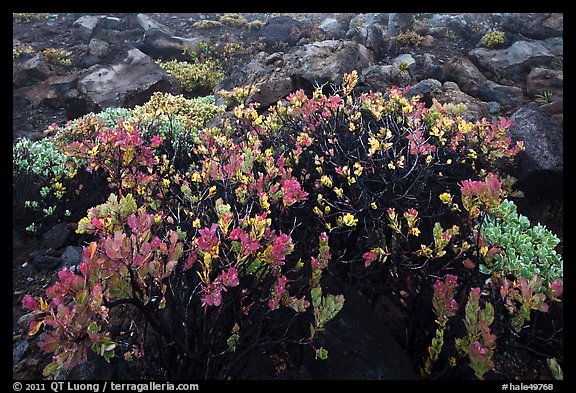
[233,20]
[201,75]
[29,16]
[207,24]
[493,39]
[524,250]
[20,49]
[409,38]
[57,56]
[226,251]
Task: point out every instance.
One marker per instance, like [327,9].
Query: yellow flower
[374,145]
[196,177]
[446,198]
[358,169]
[165,183]
[326,181]
[196,223]
[212,191]
[349,220]
[374,206]
[415,231]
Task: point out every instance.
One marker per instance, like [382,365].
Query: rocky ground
[112,64]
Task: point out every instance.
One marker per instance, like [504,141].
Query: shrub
[524,251]
[19,50]
[201,75]
[409,38]
[57,56]
[228,250]
[233,20]
[29,16]
[207,24]
[493,39]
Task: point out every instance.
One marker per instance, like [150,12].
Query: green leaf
[483,269]
[93,328]
[321,353]
[316,293]
[82,297]
[51,369]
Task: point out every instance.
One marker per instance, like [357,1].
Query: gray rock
[540,167]
[24,321]
[98,48]
[45,262]
[382,77]
[127,83]
[506,96]
[462,71]
[30,72]
[465,25]
[18,350]
[399,22]
[473,82]
[72,256]
[328,61]
[332,27]
[554,45]
[405,58]
[85,26]
[533,25]
[370,31]
[451,93]
[540,80]
[278,30]
[514,62]
[147,23]
[272,89]
[494,106]
[426,89]
[55,237]
[160,44]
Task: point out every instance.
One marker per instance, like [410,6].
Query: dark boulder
[540,168]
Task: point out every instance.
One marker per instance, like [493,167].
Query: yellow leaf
[43,304]
[36,328]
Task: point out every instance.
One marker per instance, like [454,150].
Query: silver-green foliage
[527,250]
[42,158]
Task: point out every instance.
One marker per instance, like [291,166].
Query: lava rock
[540,167]
[55,237]
[72,256]
[514,62]
[18,350]
[127,83]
